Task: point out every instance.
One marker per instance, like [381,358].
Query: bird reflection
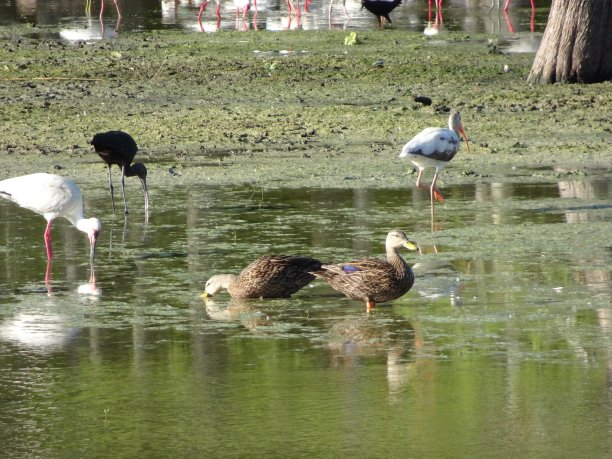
[90,289]
[511,28]
[433,27]
[217,14]
[119,17]
[438,278]
[239,311]
[358,339]
[347,16]
[124,231]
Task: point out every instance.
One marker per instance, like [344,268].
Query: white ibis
[52,196]
[435,147]
[373,280]
[117,147]
[380,9]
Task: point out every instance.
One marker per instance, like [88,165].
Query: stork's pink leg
[418,182]
[433,191]
[118,10]
[48,241]
[202,8]
[507,5]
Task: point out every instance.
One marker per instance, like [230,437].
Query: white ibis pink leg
[48,241]
[418,182]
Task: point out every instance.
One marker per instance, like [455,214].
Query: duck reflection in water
[358,340]
[241,311]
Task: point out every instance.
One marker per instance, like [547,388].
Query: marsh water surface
[502,346]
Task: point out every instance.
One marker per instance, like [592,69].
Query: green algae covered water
[502,347]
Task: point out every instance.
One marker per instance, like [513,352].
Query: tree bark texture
[577,43]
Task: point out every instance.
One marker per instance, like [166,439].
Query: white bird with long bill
[435,147]
[52,196]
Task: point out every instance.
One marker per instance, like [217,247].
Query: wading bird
[270,276]
[380,9]
[435,147]
[117,147]
[52,196]
[373,280]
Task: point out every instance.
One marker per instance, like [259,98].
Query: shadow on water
[512,300]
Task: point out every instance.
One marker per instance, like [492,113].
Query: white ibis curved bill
[52,196]
[435,147]
[118,147]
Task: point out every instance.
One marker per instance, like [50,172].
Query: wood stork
[435,147]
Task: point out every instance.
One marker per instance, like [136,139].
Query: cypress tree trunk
[577,43]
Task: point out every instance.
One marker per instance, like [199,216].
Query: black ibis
[380,9]
[118,147]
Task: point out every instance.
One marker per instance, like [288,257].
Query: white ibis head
[92,227]
[454,124]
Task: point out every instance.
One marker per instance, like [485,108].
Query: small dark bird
[270,276]
[117,147]
[380,9]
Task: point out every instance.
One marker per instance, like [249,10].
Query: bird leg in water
[433,191]
[123,189]
[418,182]
[146,194]
[437,195]
[48,277]
[110,187]
[48,241]
[370,305]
